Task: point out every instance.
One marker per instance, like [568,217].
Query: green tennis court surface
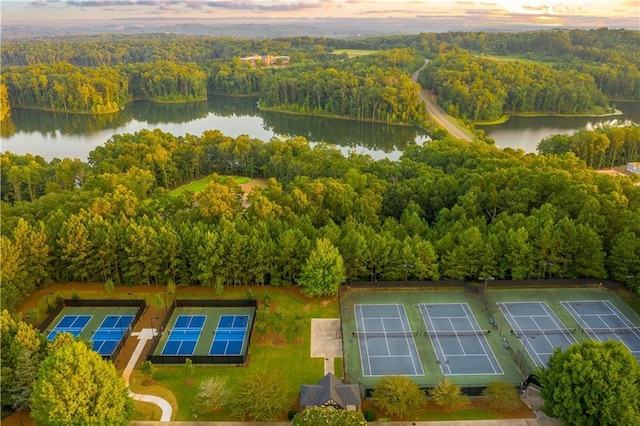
[458,336]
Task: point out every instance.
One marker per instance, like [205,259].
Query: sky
[544,12]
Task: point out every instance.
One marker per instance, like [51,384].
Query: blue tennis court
[184,335]
[387,345]
[230,335]
[73,324]
[460,345]
[538,328]
[602,321]
[111,331]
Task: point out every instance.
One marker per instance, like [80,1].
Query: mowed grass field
[198,185]
[352,53]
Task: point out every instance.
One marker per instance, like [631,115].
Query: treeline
[479,88]
[64,87]
[375,88]
[166,81]
[447,210]
[4,102]
[607,146]
[610,56]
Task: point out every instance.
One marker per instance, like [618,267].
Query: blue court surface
[602,321]
[538,328]
[73,324]
[460,345]
[108,335]
[184,335]
[229,335]
[387,345]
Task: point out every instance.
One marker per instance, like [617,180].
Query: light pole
[153,330]
[406,270]
[633,282]
[48,305]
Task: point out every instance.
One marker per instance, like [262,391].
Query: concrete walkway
[145,335]
[326,341]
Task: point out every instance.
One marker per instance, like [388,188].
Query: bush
[291,414]
[369,414]
[398,396]
[75,296]
[501,396]
[448,395]
[212,395]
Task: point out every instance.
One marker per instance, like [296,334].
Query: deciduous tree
[76,386]
[398,396]
[324,270]
[592,383]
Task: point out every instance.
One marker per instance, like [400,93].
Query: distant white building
[633,168]
[266,60]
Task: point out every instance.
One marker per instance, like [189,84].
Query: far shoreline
[505,117]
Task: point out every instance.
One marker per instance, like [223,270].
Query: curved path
[143,336]
[438,114]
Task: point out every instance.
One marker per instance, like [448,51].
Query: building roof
[329,390]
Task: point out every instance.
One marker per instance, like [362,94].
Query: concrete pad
[326,341]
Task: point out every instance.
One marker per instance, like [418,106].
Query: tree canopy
[76,386]
[592,383]
[398,396]
[261,396]
[321,416]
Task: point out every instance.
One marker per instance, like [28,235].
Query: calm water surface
[72,135]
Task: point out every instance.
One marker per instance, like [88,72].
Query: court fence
[100,303]
[203,359]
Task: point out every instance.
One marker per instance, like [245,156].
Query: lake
[59,135]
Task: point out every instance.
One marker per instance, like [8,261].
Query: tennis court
[602,321]
[387,345]
[73,324]
[229,335]
[538,328]
[108,335]
[460,345]
[184,335]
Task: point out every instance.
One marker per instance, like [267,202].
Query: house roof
[328,389]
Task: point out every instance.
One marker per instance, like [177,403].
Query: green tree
[316,416]
[398,396]
[262,397]
[448,395]
[148,370]
[76,386]
[324,270]
[23,348]
[212,395]
[592,383]
[501,396]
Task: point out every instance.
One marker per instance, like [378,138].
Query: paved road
[438,114]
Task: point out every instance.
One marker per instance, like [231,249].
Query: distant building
[266,60]
[633,168]
[330,392]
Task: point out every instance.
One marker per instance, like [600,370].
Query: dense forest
[559,71]
[446,210]
[607,146]
[479,88]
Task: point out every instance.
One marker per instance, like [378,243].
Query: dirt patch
[189,382]
[253,183]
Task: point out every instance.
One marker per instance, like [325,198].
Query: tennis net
[385,334]
[438,333]
[619,330]
[539,331]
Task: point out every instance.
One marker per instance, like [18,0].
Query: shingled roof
[330,391]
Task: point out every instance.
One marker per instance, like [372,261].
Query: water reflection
[75,135]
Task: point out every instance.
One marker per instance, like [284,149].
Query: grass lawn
[198,185]
[352,53]
[286,354]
